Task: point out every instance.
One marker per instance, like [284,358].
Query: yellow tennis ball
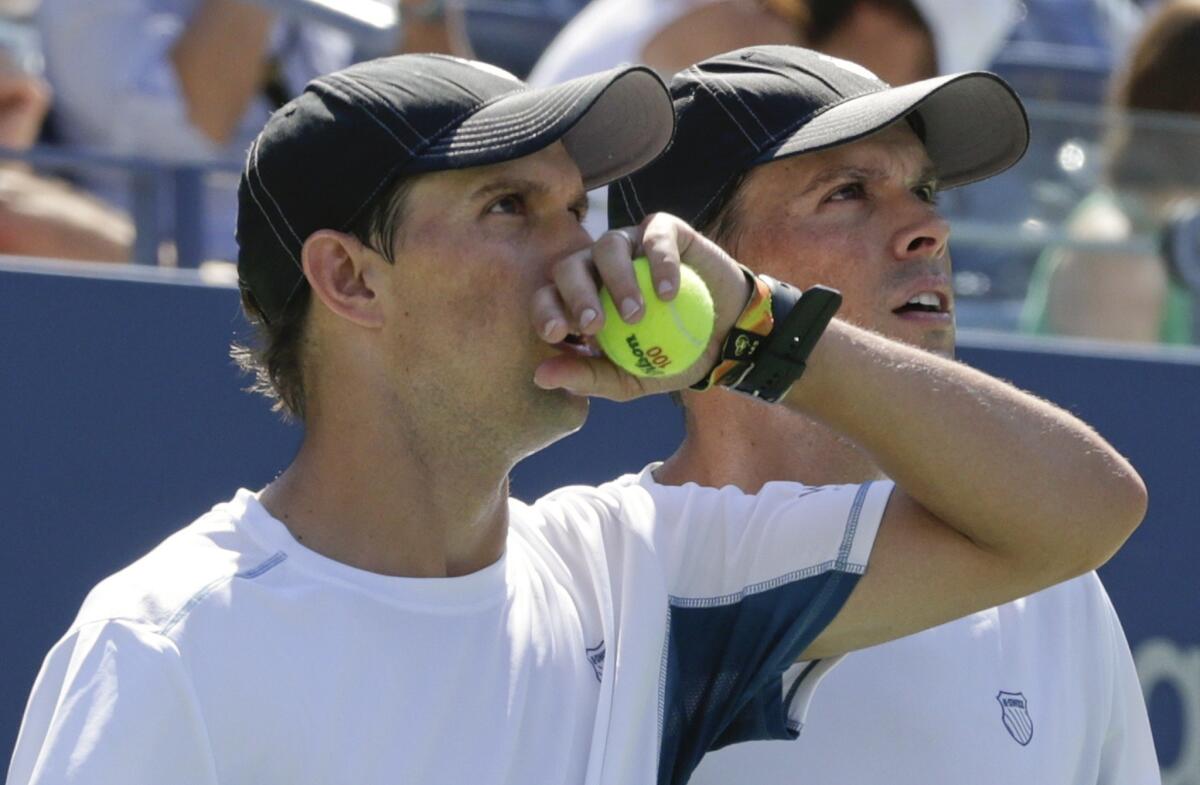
[670,336]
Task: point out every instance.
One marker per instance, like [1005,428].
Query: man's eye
[927,193]
[848,192]
[509,204]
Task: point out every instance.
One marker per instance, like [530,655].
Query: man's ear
[337,266]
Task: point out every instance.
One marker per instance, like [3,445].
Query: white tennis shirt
[1041,690]
[626,629]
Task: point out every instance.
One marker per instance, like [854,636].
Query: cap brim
[612,124]
[974,125]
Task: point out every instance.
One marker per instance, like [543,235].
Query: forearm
[1014,474]
[220,61]
[42,217]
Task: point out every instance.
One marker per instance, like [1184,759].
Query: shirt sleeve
[113,703]
[752,580]
[1128,756]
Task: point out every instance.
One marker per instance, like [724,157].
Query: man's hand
[570,304]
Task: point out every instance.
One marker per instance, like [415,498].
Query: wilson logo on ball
[669,336]
[652,361]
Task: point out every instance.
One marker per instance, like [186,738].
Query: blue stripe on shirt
[720,679]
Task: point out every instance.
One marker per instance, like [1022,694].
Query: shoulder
[810,505]
[1085,592]
[1078,609]
[579,519]
[1100,217]
[159,589]
[639,499]
[788,524]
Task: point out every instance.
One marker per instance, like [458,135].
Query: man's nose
[925,234]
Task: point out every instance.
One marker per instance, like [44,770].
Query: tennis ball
[670,336]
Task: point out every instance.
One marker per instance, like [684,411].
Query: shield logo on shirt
[595,655]
[1014,712]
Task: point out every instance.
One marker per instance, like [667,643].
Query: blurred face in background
[896,47]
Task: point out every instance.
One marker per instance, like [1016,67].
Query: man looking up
[773,161]
[382,612]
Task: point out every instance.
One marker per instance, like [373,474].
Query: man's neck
[734,441]
[391,505]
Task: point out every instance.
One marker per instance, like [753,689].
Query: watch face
[1182,245]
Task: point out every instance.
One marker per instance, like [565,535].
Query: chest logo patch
[1014,712]
[595,656]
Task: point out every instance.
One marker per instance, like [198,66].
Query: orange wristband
[752,326]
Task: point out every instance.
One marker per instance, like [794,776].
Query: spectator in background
[1055,51]
[902,41]
[42,216]
[892,38]
[666,35]
[1151,165]
[191,80]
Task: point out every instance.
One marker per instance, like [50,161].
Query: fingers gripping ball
[670,336]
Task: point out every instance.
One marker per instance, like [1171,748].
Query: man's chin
[942,342]
[940,349]
[939,340]
[559,414]
[947,353]
[564,412]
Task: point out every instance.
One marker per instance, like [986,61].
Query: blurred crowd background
[123,124]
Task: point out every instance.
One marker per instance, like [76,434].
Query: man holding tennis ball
[383,612]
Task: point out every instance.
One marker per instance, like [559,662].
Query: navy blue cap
[323,157]
[747,107]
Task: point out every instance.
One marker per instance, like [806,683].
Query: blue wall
[122,419]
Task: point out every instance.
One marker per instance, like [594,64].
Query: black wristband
[800,320]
